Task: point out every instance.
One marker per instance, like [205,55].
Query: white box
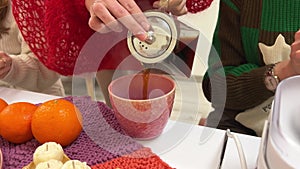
[280,147]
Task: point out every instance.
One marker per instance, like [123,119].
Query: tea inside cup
[142,103]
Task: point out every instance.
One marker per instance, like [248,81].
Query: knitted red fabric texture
[54,30]
[195,6]
[141,159]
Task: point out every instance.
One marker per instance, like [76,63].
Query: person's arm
[56,31]
[245,81]
[28,72]
[105,13]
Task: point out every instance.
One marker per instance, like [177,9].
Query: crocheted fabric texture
[102,144]
[58,30]
[195,6]
[54,30]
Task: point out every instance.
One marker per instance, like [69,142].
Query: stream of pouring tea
[145,74]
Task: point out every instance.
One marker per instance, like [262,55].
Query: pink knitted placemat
[102,144]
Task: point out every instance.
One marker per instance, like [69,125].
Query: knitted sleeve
[54,30]
[28,73]
[244,79]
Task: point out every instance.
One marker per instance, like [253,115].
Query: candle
[75,164]
[51,164]
[48,151]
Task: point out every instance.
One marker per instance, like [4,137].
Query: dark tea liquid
[146,74]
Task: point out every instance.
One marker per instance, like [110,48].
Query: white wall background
[205,22]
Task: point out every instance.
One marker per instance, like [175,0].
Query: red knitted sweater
[57,31]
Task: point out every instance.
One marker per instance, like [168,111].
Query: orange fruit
[15,122]
[3,104]
[58,121]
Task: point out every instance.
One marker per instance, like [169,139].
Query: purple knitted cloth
[101,140]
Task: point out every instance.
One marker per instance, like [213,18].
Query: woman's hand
[290,67]
[295,53]
[5,64]
[176,7]
[105,13]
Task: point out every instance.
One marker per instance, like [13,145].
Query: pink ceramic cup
[142,107]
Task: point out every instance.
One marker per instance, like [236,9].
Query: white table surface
[13,95]
[250,146]
[204,21]
[181,145]
[186,146]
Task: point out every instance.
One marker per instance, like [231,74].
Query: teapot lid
[161,39]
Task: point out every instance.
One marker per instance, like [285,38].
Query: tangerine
[15,122]
[3,104]
[58,121]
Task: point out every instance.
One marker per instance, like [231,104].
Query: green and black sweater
[241,25]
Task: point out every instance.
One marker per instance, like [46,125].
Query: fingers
[161,4]
[106,15]
[136,13]
[5,64]
[295,58]
[295,62]
[181,8]
[176,7]
[5,60]
[96,24]
[102,20]
[297,35]
[295,53]
[131,17]
[295,47]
